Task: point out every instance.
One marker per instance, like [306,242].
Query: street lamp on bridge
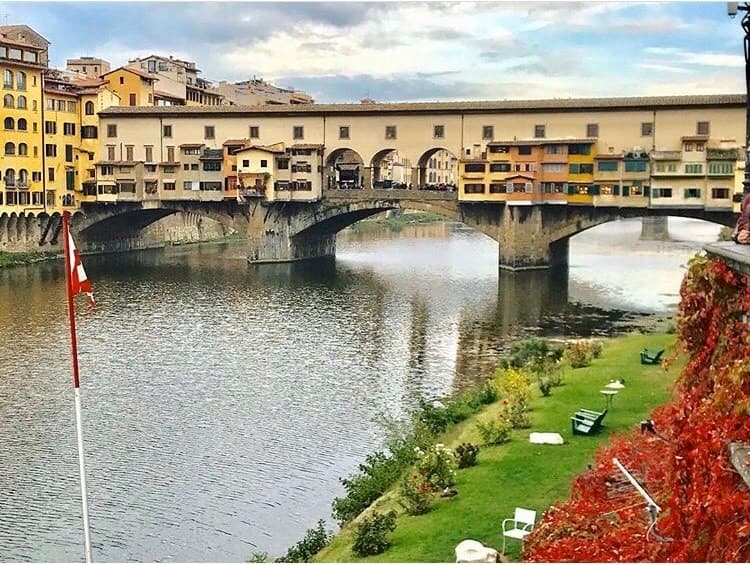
[733,8]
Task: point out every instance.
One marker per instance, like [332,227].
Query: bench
[587,422]
[651,357]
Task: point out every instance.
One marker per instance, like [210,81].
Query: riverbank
[519,473]
[397,222]
[15,259]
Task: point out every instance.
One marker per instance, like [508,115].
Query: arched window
[7,79]
[21,80]
[10,148]
[8,101]
[21,102]
[23,178]
[23,149]
[22,124]
[89,108]
[10,178]
[9,123]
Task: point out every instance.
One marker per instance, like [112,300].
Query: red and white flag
[78,280]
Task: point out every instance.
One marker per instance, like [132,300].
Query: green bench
[651,357]
[587,422]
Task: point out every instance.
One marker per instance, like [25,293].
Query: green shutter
[646,191]
[626,191]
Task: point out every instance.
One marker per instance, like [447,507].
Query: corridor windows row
[19,103]
[22,125]
[20,79]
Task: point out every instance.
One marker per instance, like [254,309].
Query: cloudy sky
[416,51]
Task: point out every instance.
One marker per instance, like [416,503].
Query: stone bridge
[528,236]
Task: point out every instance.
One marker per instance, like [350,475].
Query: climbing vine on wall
[705,503]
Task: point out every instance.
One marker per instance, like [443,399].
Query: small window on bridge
[488,132]
[344,132]
[438,131]
[647,129]
[390,132]
[592,130]
[703,128]
[298,132]
[720,193]
[254,131]
[539,130]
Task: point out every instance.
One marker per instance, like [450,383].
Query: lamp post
[732,9]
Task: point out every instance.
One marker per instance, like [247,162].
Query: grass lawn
[519,473]
[12,259]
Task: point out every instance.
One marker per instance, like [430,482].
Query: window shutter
[646,191]
[616,190]
[509,187]
[528,187]
[595,189]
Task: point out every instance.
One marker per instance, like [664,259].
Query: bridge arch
[445,175]
[344,169]
[390,168]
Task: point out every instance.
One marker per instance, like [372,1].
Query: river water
[222,401]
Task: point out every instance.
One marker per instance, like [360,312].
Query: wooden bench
[651,357]
[587,422]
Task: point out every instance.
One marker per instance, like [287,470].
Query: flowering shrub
[578,354]
[370,537]
[438,466]
[513,385]
[545,386]
[704,501]
[466,453]
[516,414]
[416,494]
[495,431]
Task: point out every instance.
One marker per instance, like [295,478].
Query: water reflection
[223,401]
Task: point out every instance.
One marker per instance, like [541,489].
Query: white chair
[523,522]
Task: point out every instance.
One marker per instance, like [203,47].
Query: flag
[78,280]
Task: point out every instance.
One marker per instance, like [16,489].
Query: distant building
[133,87]
[442,168]
[257,92]
[90,67]
[177,82]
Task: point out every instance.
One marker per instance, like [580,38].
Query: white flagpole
[76,387]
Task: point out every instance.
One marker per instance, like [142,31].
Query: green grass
[519,473]
[12,259]
[398,222]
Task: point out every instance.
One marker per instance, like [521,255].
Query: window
[10,148]
[34,127]
[20,80]
[474,188]
[23,149]
[126,187]
[72,106]
[579,149]
[497,187]
[343,132]
[10,177]
[194,167]
[186,167]
[499,167]
[7,79]
[713,168]
[553,167]
[554,149]
[70,180]
[692,193]
[60,104]
[539,130]
[150,168]
[660,192]
[298,132]
[264,163]
[69,153]
[169,186]
[131,99]
[50,127]
[128,152]
[170,153]
[167,131]
[703,128]
[14,54]
[122,80]
[592,130]
[438,131]
[282,164]
[488,132]
[110,152]
[108,170]
[390,132]
[720,193]
[170,169]
[688,147]
[495,149]
[50,150]
[209,132]
[606,166]
[8,123]
[647,129]
[635,166]
[474,167]
[149,153]
[524,149]
[187,185]
[36,176]
[69,129]
[581,168]
[694,169]
[50,174]
[700,147]
[8,101]
[246,162]
[211,165]
[89,108]
[254,131]
[191,150]
[21,102]
[111,130]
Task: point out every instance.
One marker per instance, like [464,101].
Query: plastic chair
[523,521]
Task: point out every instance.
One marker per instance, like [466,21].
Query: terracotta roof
[169,163]
[134,71]
[520,176]
[192,145]
[608,156]
[4,29]
[500,106]
[236,141]
[544,141]
[307,146]
[261,148]
[88,82]
[694,138]
[163,94]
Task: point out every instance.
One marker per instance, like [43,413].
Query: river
[222,401]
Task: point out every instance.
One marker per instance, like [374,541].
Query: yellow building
[23,58]
[132,86]
[581,172]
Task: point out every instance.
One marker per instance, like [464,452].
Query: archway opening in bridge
[390,170]
[344,169]
[437,170]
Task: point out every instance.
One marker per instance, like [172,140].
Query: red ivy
[705,503]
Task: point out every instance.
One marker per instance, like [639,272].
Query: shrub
[545,386]
[258,557]
[529,352]
[435,418]
[466,453]
[596,349]
[495,431]
[515,414]
[578,354]
[416,495]
[438,466]
[370,537]
[487,394]
[513,384]
[554,375]
[305,549]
